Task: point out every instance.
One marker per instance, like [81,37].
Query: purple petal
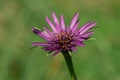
[49,48]
[73,48]
[36,31]
[81,39]
[55,18]
[58,27]
[56,52]
[40,44]
[87,34]
[46,34]
[62,22]
[52,47]
[80,44]
[74,20]
[75,26]
[88,27]
[51,25]
[49,33]
[41,34]
[85,25]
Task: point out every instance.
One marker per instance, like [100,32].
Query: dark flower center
[64,40]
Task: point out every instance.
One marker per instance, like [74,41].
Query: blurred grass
[99,60]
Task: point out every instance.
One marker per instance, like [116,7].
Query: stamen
[64,39]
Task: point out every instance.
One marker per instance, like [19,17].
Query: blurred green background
[98,60]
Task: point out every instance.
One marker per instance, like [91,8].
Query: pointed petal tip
[36,31]
[92,22]
[95,23]
[74,20]
[53,13]
[55,53]
[77,13]
[55,18]
[62,22]
[87,35]
[50,24]
[34,28]
[82,45]
[46,18]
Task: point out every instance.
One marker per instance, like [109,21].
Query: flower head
[62,37]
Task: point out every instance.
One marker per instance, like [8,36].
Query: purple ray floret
[62,37]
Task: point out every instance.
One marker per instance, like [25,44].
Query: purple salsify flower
[62,37]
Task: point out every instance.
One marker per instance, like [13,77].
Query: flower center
[64,40]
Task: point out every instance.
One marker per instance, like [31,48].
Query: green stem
[69,63]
